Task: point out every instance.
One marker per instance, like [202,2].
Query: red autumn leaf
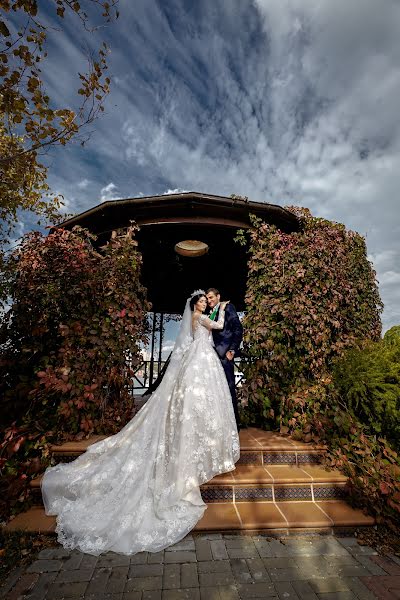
[16,446]
[384,488]
[394,505]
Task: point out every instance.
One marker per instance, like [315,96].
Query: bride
[138,490]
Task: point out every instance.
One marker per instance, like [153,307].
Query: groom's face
[213,299]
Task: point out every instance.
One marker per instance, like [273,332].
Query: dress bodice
[204,326]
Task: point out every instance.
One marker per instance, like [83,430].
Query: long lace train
[139,489]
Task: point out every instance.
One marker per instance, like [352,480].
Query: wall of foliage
[355,412]
[75,319]
[310,295]
[316,366]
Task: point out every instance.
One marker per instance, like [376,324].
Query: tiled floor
[264,474]
[250,438]
[281,515]
[33,519]
[262,515]
[342,514]
[215,566]
[223,516]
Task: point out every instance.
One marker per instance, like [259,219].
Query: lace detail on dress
[219,324]
[139,490]
[208,324]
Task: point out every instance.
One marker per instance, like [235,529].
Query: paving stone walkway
[215,567]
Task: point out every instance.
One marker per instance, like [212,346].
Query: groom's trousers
[229,368]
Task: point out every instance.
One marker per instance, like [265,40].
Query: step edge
[268,481]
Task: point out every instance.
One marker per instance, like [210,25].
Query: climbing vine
[316,367]
[310,295]
[70,342]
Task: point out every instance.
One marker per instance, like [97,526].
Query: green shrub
[318,414]
[368,382]
[392,337]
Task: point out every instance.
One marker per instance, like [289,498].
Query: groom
[226,341]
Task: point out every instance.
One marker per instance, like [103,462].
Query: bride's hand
[223,304]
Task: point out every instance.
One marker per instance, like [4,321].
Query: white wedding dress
[139,489]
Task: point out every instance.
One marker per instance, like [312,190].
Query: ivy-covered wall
[75,317]
[316,365]
[310,295]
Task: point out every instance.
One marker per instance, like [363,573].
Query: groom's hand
[230,355]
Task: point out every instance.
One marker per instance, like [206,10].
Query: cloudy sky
[283,101]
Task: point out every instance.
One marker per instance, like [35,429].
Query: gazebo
[278,484]
[167,220]
[187,241]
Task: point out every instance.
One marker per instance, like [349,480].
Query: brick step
[264,483]
[257,447]
[279,474]
[286,516]
[68,451]
[275,484]
[250,456]
[282,517]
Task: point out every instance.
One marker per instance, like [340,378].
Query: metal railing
[148,374]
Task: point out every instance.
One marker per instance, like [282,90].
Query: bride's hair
[194,299]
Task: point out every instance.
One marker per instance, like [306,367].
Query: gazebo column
[161,342]
[153,337]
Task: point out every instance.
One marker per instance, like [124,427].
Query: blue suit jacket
[230,337]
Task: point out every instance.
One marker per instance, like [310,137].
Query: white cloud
[109,192]
[175,191]
[168,346]
[284,101]
[389,278]
[18,232]
[82,185]
[383,259]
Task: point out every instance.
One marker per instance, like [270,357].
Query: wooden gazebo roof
[166,220]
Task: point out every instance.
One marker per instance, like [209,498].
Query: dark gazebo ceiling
[166,220]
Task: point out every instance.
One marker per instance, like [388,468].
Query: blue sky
[283,101]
